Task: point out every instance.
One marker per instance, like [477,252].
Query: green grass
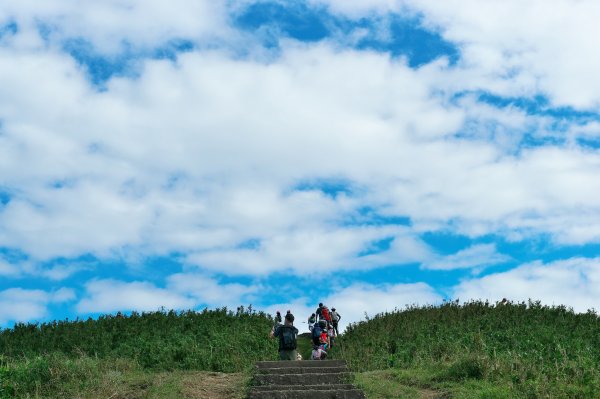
[480,350]
[212,340]
[383,384]
[416,383]
[58,376]
[304,346]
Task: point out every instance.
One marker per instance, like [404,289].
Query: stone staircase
[325,379]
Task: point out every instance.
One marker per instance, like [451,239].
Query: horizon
[367,155]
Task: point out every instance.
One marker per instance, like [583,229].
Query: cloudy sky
[367,154]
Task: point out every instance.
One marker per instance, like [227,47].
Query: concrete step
[303,379]
[330,387]
[303,370]
[308,394]
[300,363]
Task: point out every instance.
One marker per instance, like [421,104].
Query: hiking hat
[333,309]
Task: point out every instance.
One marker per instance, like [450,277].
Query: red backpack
[326,315]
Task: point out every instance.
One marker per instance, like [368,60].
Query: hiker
[287,335]
[319,311]
[311,321]
[324,338]
[278,318]
[335,319]
[317,331]
[318,353]
[331,334]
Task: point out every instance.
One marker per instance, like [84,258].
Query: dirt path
[207,385]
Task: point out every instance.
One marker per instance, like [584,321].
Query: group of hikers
[323,327]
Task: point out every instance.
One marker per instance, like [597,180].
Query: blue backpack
[316,334]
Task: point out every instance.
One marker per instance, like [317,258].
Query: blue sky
[364,154]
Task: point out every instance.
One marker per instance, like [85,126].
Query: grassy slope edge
[147,352]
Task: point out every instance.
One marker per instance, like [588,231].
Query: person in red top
[324,339]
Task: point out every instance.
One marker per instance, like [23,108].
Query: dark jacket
[319,312]
[279,333]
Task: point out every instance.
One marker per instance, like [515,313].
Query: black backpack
[288,338]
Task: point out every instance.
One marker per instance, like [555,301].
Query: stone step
[302,379]
[308,394]
[300,363]
[303,370]
[331,387]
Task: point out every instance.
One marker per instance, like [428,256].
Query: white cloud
[62,295]
[20,269]
[308,249]
[61,271]
[354,301]
[313,118]
[573,282]
[200,156]
[8,269]
[516,48]
[109,24]
[359,8]
[511,48]
[182,291]
[474,257]
[208,292]
[104,296]
[21,305]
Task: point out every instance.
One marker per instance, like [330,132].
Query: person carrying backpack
[331,335]
[319,311]
[317,331]
[287,335]
[335,318]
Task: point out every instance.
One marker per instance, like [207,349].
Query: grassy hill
[479,350]
[476,350]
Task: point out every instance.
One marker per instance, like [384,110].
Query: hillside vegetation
[475,350]
[503,350]
[59,358]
